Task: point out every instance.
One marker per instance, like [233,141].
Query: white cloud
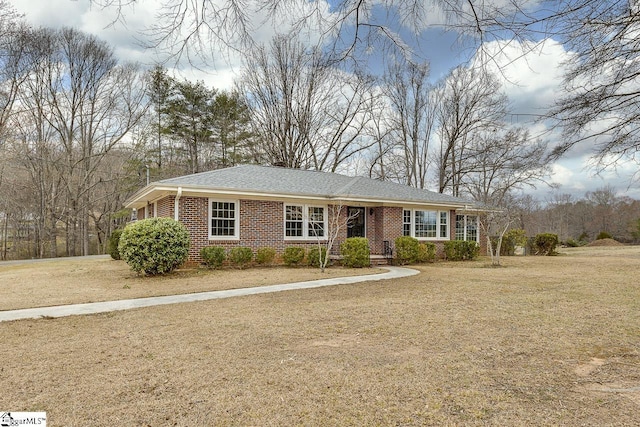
[128,36]
[532,72]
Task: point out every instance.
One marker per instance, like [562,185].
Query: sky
[531,81]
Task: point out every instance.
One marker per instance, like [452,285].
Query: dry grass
[74,281]
[540,341]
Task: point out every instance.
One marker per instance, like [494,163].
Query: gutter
[176,205]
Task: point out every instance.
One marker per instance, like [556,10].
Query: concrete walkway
[106,306]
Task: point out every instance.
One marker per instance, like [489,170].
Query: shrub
[427,252]
[313,256]
[545,244]
[407,250]
[575,243]
[265,256]
[355,252]
[240,256]
[292,256]
[461,250]
[213,256]
[154,245]
[112,245]
[603,235]
[511,239]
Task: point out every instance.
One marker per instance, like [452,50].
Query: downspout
[176,206]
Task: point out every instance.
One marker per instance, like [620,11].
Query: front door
[356,226]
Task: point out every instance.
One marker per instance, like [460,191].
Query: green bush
[240,256]
[407,250]
[265,256]
[355,252]
[545,244]
[511,239]
[213,256]
[112,244]
[461,250]
[575,243]
[313,256]
[427,252]
[603,235]
[293,256]
[154,245]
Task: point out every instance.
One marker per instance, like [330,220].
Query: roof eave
[155,192]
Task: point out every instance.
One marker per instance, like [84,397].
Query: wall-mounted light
[370,211]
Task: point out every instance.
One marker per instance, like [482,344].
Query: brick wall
[166,207]
[262,225]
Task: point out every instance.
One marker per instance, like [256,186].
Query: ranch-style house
[264,206]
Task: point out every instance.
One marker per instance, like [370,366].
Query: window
[467,227]
[304,222]
[406,222]
[223,219]
[425,224]
[316,221]
[293,222]
[444,224]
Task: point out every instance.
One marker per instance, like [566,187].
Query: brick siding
[262,225]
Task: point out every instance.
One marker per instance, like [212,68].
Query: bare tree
[413,107]
[306,113]
[338,221]
[380,132]
[199,30]
[601,91]
[78,96]
[471,104]
[504,162]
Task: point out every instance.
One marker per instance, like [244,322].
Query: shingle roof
[297,182]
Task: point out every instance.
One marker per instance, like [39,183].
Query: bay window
[425,224]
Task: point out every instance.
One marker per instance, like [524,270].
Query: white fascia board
[154,193]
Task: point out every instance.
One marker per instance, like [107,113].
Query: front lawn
[541,341]
[80,280]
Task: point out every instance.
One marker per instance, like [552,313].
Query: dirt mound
[605,242]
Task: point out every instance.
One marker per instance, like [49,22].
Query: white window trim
[438,213]
[466,218]
[236,215]
[305,222]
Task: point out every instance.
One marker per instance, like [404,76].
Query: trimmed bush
[265,256]
[213,256]
[112,245]
[240,256]
[293,256]
[407,250]
[355,252]
[154,245]
[461,250]
[427,252]
[313,256]
[511,239]
[545,244]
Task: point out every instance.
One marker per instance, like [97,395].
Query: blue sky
[531,82]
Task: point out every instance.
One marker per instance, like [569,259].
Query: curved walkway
[106,306]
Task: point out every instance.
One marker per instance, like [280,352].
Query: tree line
[81,130]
